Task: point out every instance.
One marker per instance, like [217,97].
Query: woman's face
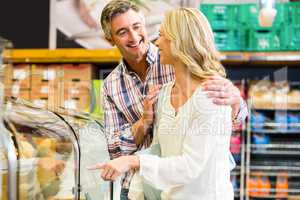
[164,46]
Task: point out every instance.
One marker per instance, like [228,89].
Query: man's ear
[111,42]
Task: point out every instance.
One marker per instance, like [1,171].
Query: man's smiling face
[128,33]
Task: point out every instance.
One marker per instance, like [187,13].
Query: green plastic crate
[263,40]
[248,16]
[290,38]
[221,16]
[229,40]
[293,13]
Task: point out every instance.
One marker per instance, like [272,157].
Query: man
[130,91]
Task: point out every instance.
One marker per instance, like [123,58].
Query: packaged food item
[294,121]
[257,121]
[235,147]
[264,185]
[281,120]
[281,89]
[259,185]
[261,93]
[282,185]
[294,99]
[252,185]
[260,140]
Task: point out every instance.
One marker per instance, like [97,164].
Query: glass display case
[3,150]
[44,154]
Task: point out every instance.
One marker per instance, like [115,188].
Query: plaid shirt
[123,95]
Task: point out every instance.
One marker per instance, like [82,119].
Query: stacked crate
[76,86]
[290,34]
[51,86]
[236,27]
[261,38]
[17,81]
[227,33]
[45,81]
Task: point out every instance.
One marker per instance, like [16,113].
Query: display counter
[44,155]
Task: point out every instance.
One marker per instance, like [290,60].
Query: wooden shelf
[262,58]
[113,55]
[60,55]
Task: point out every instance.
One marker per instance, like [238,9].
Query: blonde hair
[192,41]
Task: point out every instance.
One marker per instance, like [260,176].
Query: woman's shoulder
[203,104]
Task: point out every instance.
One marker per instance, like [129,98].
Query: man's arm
[120,140]
[224,92]
[240,115]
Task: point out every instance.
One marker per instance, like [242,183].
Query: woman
[192,133]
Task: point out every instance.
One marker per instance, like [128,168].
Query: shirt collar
[151,53]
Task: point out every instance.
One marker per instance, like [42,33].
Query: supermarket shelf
[113,55]
[275,197]
[274,108]
[272,124]
[286,168]
[279,131]
[281,146]
[275,152]
[236,192]
[271,127]
[274,58]
[237,168]
[276,190]
[272,193]
[60,55]
[268,173]
[233,58]
[263,58]
[235,173]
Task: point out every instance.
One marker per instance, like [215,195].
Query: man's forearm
[239,114]
[235,110]
[239,110]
